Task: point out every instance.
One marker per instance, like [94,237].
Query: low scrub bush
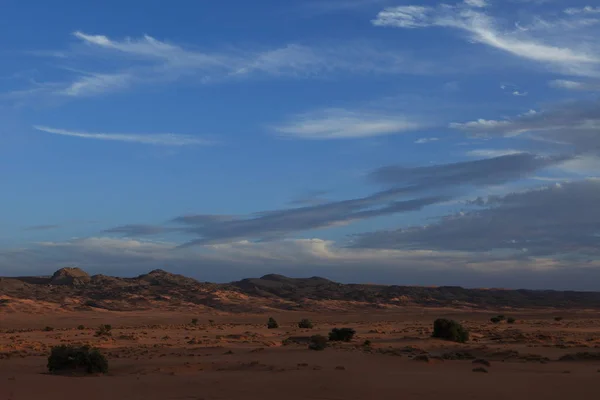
[305,324]
[104,330]
[272,324]
[449,330]
[317,342]
[77,360]
[341,334]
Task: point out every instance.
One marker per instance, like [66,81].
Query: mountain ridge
[73,288]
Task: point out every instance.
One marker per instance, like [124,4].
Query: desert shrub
[80,327]
[194,321]
[341,334]
[495,320]
[480,369]
[48,329]
[305,324]
[501,317]
[317,342]
[367,343]
[449,330]
[77,359]
[510,320]
[272,324]
[104,330]
[558,319]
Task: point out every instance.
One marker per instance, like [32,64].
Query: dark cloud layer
[276,224]
[432,185]
[572,123]
[490,171]
[556,220]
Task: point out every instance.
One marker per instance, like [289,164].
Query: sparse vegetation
[104,330]
[367,343]
[80,327]
[501,317]
[450,330]
[558,319]
[482,362]
[317,342]
[480,369]
[341,334]
[194,321]
[48,329]
[510,320]
[272,324]
[305,324]
[495,320]
[77,359]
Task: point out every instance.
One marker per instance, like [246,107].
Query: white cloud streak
[583,10]
[426,140]
[344,124]
[575,85]
[168,139]
[573,58]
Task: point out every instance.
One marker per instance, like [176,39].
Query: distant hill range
[74,289]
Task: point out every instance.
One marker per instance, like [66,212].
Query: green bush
[305,324]
[449,330]
[317,342]
[341,334]
[511,320]
[194,321]
[501,317]
[76,359]
[495,320]
[367,343]
[104,330]
[272,324]
[80,327]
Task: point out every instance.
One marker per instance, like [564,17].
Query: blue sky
[363,140]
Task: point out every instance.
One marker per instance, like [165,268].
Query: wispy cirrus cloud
[344,124]
[567,55]
[582,10]
[147,60]
[426,140]
[575,85]
[167,139]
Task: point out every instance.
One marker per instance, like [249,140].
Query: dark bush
[194,321]
[77,359]
[104,330]
[495,320]
[305,324]
[80,327]
[272,324]
[341,334]
[317,342]
[48,329]
[558,319]
[501,317]
[367,343]
[449,330]
[510,320]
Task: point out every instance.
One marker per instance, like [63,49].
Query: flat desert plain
[162,355]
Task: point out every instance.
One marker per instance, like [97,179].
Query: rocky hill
[74,289]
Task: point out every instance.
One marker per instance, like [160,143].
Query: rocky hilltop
[74,289]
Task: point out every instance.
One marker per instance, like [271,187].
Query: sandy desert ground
[161,355]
